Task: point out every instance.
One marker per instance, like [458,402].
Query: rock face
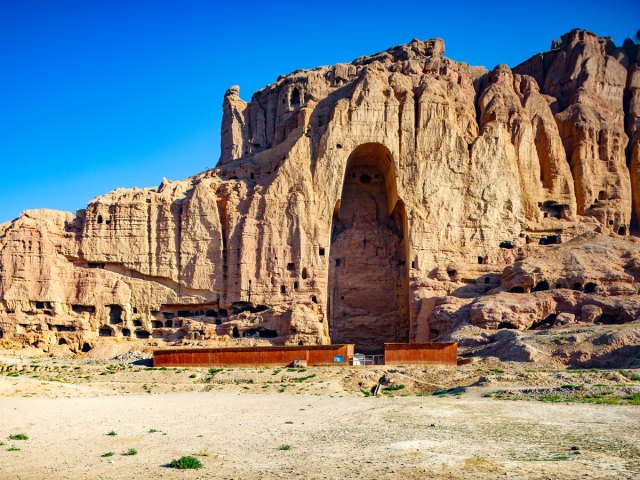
[395,198]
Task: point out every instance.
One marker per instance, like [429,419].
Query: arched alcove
[368,276]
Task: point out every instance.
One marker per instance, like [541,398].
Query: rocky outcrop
[394,198]
[586,78]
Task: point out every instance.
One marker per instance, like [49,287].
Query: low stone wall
[268,355]
[420,353]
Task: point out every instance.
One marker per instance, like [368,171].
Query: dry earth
[236,420]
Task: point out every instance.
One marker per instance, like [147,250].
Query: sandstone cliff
[395,198]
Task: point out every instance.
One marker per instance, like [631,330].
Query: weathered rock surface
[399,197]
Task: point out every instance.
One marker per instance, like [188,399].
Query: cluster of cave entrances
[368,301]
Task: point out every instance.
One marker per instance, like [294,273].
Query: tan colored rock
[587,84]
[590,313]
[399,197]
[563,319]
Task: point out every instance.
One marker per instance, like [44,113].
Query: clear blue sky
[96,95]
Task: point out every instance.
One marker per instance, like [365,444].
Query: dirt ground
[429,422]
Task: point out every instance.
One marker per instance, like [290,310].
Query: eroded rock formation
[399,197]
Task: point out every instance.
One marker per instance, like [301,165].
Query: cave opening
[115,314]
[590,287]
[105,332]
[546,322]
[142,334]
[541,286]
[368,302]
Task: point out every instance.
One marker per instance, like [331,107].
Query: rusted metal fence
[421,353]
[394,354]
[268,355]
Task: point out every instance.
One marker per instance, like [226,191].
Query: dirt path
[331,437]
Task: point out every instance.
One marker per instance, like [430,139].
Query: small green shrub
[13,448]
[634,398]
[558,458]
[635,378]
[193,375]
[285,446]
[289,422]
[302,379]
[112,433]
[496,370]
[108,454]
[153,430]
[392,388]
[19,436]
[185,463]
[571,386]
[13,374]
[130,452]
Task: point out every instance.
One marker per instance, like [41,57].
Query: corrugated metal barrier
[394,354]
[267,355]
[421,353]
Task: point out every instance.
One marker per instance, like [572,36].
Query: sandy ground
[235,421]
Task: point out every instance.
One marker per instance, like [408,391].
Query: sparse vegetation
[572,387]
[153,430]
[108,454]
[302,379]
[393,388]
[285,446]
[496,370]
[112,433]
[574,394]
[13,448]
[186,463]
[449,391]
[19,436]
[130,452]
[557,458]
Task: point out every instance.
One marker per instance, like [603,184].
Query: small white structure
[358,359]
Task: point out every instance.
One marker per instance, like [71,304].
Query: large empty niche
[368,283]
